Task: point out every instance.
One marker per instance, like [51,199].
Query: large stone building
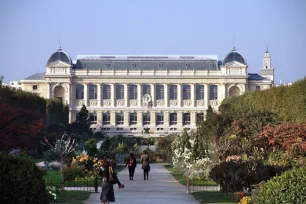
[146,95]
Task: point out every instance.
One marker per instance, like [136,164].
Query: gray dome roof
[234,56]
[59,56]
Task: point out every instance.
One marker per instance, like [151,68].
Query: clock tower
[267,71]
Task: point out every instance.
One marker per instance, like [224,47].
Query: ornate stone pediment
[59,64]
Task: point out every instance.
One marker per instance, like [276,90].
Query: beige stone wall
[41,91]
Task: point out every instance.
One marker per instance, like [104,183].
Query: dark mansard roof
[119,62]
[59,55]
[234,56]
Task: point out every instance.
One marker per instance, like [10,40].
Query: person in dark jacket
[109,178]
[145,160]
[131,163]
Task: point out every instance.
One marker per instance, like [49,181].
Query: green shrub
[21,181]
[289,187]
[73,171]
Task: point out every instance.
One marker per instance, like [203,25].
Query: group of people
[109,176]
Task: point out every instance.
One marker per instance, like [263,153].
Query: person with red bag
[131,162]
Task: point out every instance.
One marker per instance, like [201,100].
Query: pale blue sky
[29,31]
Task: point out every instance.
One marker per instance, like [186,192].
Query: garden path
[161,188]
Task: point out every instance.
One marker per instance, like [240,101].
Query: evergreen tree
[83,115]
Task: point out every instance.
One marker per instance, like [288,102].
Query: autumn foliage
[287,137]
[18,127]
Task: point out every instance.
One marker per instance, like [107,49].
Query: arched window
[79,91]
[93,117]
[159,92]
[93,93]
[186,119]
[146,118]
[160,118]
[234,91]
[173,118]
[120,118]
[199,92]
[213,92]
[200,118]
[106,91]
[119,91]
[186,92]
[106,118]
[133,118]
[173,92]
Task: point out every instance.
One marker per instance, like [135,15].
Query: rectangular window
[257,88]
[173,118]
[93,117]
[79,91]
[199,92]
[106,118]
[119,118]
[186,119]
[160,92]
[146,89]
[35,87]
[146,118]
[119,92]
[106,91]
[93,93]
[200,118]
[213,92]
[186,92]
[160,118]
[173,92]
[133,91]
[133,118]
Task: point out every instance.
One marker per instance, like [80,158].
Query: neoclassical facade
[146,95]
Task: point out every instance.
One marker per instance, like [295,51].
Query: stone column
[48,90]
[166,118]
[193,121]
[153,119]
[68,101]
[126,118]
[179,118]
[99,117]
[153,94]
[206,95]
[99,88]
[139,95]
[126,95]
[113,118]
[192,95]
[179,95]
[221,92]
[86,94]
[166,95]
[139,118]
[113,95]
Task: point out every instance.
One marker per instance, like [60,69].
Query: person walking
[131,163]
[109,178]
[145,160]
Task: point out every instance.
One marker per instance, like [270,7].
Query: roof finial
[234,48]
[267,51]
[59,42]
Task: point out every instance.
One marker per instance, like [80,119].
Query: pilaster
[192,89]
[99,86]
[126,118]
[86,94]
[113,94]
[179,95]
[153,118]
[206,95]
[139,95]
[126,95]
[139,118]
[166,118]
[153,94]
[166,95]
[113,118]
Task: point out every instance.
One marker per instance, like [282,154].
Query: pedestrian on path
[109,178]
[145,160]
[131,163]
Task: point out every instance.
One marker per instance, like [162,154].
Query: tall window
[146,118]
[133,118]
[173,92]
[186,119]
[173,118]
[93,117]
[106,118]
[146,89]
[200,118]
[160,118]
[120,118]
[79,91]
[257,88]
[106,91]
[213,92]
[186,92]
[93,93]
[200,92]
[119,91]
[160,92]
[133,91]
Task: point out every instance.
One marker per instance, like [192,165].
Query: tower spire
[267,49]
[59,43]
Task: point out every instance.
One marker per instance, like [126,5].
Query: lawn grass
[178,175]
[213,197]
[72,197]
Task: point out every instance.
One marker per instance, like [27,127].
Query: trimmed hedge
[288,103]
[289,187]
[21,181]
